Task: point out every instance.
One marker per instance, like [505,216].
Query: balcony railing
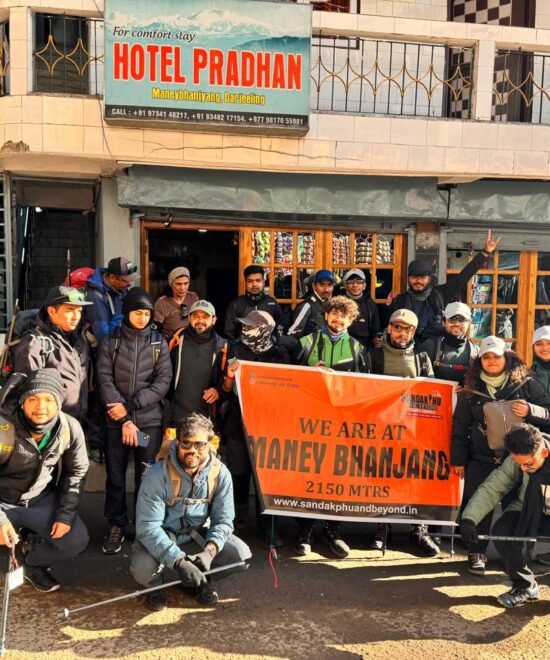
[391,77]
[4,59]
[68,54]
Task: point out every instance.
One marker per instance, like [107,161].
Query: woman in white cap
[498,374]
[541,358]
[172,311]
[452,352]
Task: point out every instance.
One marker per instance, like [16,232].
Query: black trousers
[514,555]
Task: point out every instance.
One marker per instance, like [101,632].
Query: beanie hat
[43,380]
[180,271]
[137,298]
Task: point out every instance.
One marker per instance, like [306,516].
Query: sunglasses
[184,311]
[189,444]
[457,319]
[403,328]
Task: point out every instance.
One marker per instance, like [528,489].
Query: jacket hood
[96,279]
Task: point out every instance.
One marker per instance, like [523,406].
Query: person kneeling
[176,498]
[528,515]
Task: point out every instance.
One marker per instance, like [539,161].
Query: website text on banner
[349,446]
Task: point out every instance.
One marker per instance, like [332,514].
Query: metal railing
[4,59]
[521,87]
[68,54]
[356,74]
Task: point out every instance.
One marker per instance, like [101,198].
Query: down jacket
[133,367]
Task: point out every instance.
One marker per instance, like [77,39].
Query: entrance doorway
[212,257]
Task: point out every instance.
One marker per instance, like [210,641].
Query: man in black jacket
[309,316]
[367,325]
[58,342]
[253,299]
[43,464]
[427,301]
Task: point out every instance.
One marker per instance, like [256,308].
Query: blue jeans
[39,517]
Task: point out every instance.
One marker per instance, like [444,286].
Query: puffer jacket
[134,368]
[106,312]
[468,438]
[26,472]
[155,519]
[48,346]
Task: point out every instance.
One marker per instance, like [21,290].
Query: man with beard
[309,316]
[253,299]
[198,359]
[367,324]
[452,352]
[58,342]
[426,300]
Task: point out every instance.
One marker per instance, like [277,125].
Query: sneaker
[423,540]
[113,541]
[302,546]
[41,579]
[335,543]
[476,563]
[544,559]
[518,596]
[207,594]
[156,601]
[381,537]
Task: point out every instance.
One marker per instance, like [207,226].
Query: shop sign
[241,63]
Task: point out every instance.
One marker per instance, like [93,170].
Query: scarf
[421,296]
[36,428]
[334,338]
[259,339]
[203,338]
[455,342]
[533,503]
[494,383]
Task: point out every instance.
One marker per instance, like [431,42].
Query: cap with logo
[541,333]
[324,275]
[123,268]
[457,309]
[66,295]
[256,318]
[492,344]
[203,306]
[404,316]
[354,274]
[420,267]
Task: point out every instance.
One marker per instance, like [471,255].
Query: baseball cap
[66,295]
[324,274]
[257,318]
[405,316]
[541,333]
[457,309]
[203,306]
[492,344]
[419,267]
[354,274]
[123,268]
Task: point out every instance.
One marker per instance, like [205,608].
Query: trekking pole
[518,539]
[453,542]
[14,571]
[135,594]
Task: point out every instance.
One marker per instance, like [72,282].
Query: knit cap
[137,298]
[180,271]
[43,380]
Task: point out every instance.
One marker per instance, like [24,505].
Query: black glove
[188,573]
[202,560]
[468,532]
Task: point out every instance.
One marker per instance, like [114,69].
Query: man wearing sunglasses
[452,352]
[526,472]
[171,530]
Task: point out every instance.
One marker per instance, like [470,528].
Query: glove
[468,532]
[116,321]
[188,573]
[202,560]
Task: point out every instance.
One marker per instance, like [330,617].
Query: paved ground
[366,606]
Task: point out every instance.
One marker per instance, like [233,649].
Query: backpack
[169,470]
[22,322]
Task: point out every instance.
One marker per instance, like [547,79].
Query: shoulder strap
[174,476]
[356,349]
[65,437]
[438,350]
[309,349]
[519,386]
[223,362]
[176,339]
[156,345]
[7,439]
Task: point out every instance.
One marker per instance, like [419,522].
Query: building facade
[429,123]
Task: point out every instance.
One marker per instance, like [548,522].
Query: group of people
[161,370]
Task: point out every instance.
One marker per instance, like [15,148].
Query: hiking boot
[207,594]
[156,601]
[544,559]
[113,541]
[381,536]
[41,579]
[335,543]
[476,563]
[424,541]
[518,596]
[302,546]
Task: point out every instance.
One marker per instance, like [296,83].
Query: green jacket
[346,354]
[499,483]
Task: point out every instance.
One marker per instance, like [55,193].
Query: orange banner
[344,446]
